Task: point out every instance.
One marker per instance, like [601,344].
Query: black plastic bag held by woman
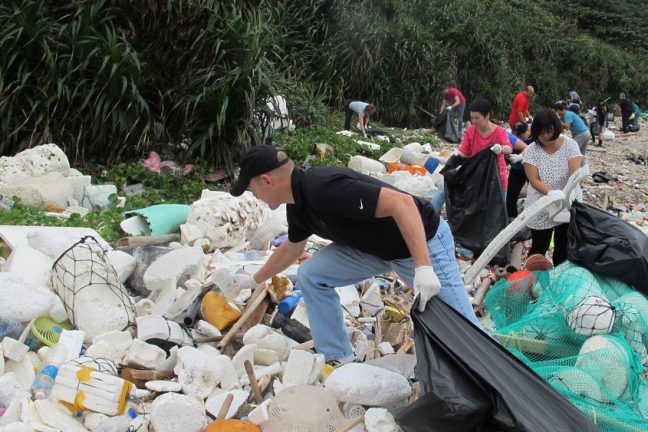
[474,202]
[471,383]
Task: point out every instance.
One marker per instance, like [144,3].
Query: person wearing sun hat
[374,229]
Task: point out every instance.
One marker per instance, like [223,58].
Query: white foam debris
[178,266]
[24,301]
[380,420]
[367,385]
[266,338]
[173,412]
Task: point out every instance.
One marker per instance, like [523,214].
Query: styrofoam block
[259,415]
[177,265]
[2,361]
[51,190]
[112,345]
[13,349]
[198,374]
[10,388]
[318,367]
[265,357]
[144,355]
[400,363]
[24,301]
[56,417]
[298,369]
[161,386]
[144,307]
[380,420]
[245,353]
[372,300]
[260,372]
[189,233]
[367,385]
[24,371]
[157,327]
[30,264]
[72,340]
[123,263]
[204,328]
[16,427]
[386,348]
[79,183]
[217,398]
[93,420]
[230,379]
[300,314]
[30,416]
[265,337]
[174,412]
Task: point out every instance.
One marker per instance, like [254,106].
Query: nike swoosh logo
[361,206]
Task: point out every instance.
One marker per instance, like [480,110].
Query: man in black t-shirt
[374,227]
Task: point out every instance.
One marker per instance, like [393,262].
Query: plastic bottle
[44,381]
[118,423]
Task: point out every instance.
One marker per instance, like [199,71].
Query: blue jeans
[459,112]
[337,266]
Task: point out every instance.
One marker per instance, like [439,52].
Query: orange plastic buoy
[521,280]
[218,312]
[412,169]
[232,425]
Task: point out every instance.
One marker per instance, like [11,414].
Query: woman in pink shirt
[485,134]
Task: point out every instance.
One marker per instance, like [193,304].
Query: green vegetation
[110,80]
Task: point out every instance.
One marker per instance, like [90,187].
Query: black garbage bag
[471,383]
[447,128]
[607,245]
[474,202]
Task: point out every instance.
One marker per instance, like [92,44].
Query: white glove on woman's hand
[515,158]
[496,148]
[245,281]
[449,108]
[426,285]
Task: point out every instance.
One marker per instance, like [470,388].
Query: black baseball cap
[256,161]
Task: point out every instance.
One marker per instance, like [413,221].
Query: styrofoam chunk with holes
[380,420]
[606,359]
[225,220]
[161,386]
[112,345]
[174,412]
[30,264]
[267,338]
[217,398]
[367,385]
[144,355]
[35,161]
[123,263]
[24,301]
[178,265]
[57,418]
[198,374]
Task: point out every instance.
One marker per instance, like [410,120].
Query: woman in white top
[548,163]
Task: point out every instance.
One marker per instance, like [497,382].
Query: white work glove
[449,108]
[515,158]
[426,285]
[245,281]
[496,148]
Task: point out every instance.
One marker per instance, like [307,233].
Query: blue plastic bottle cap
[131,413]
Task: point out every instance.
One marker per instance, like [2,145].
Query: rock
[179,265]
[174,412]
[380,420]
[367,385]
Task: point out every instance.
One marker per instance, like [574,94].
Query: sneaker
[351,358]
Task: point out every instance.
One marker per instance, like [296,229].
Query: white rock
[265,357]
[163,386]
[380,420]
[174,412]
[226,220]
[112,345]
[51,191]
[177,265]
[24,301]
[298,369]
[30,264]
[56,417]
[217,398]
[35,161]
[123,263]
[144,355]
[245,353]
[265,337]
[197,373]
[367,385]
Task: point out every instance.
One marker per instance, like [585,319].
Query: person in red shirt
[455,103]
[520,106]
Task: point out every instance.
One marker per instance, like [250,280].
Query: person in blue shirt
[572,121]
[634,117]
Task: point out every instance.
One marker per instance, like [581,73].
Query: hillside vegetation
[109,80]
